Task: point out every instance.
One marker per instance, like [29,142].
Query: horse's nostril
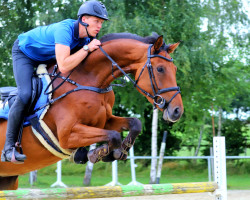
[177,112]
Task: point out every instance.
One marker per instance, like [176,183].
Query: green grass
[238,174]
[238,182]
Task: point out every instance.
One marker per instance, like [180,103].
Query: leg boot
[16,116]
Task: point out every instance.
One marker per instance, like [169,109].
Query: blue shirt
[39,43]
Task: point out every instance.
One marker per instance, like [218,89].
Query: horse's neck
[97,69]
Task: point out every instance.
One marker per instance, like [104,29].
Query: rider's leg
[16,114]
[23,68]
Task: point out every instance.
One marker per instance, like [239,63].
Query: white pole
[114,175]
[220,172]
[115,172]
[154,147]
[31,178]
[209,169]
[133,166]
[59,176]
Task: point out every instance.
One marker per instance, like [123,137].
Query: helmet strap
[85,25]
[81,22]
[87,31]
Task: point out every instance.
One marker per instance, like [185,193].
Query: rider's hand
[94,44]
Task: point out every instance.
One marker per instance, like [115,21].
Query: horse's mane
[148,39]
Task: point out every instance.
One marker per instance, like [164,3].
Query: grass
[238,182]
[238,174]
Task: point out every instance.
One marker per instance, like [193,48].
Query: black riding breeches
[23,68]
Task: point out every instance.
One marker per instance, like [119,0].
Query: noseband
[157,98]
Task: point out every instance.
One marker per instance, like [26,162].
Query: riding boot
[16,116]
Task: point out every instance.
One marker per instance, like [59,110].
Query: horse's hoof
[117,154]
[109,158]
[79,156]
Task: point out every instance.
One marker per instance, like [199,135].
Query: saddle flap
[5,92]
[36,91]
[9,93]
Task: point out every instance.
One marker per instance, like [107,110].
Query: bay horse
[85,117]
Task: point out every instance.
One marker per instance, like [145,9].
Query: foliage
[236,137]
[212,61]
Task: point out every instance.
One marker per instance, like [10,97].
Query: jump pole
[109,191]
[220,170]
[219,187]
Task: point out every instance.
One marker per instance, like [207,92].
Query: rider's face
[95,24]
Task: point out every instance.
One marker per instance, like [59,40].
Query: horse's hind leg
[82,135]
[9,183]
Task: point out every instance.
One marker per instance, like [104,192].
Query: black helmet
[93,8]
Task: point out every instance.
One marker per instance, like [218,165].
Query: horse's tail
[9,183]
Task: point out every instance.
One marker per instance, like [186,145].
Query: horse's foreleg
[134,130]
[119,123]
[82,135]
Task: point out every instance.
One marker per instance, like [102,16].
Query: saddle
[8,94]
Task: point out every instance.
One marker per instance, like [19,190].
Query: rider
[43,45]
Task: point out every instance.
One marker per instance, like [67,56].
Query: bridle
[157,98]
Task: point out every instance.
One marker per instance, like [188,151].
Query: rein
[67,79]
[157,98]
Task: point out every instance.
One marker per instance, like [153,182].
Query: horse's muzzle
[172,114]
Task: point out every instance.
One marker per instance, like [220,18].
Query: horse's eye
[160,69]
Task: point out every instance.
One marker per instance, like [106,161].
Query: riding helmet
[93,8]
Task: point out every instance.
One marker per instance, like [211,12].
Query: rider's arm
[67,62]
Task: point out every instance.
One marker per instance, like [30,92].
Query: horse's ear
[172,47]
[158,43]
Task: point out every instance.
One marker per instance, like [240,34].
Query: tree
[235,132]
[212,59]
[15,17]
[89,169]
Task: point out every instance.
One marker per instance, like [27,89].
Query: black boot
[16,116]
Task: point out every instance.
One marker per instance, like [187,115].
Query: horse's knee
[115,140]
[135,125]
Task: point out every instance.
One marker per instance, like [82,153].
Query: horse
[84,117]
